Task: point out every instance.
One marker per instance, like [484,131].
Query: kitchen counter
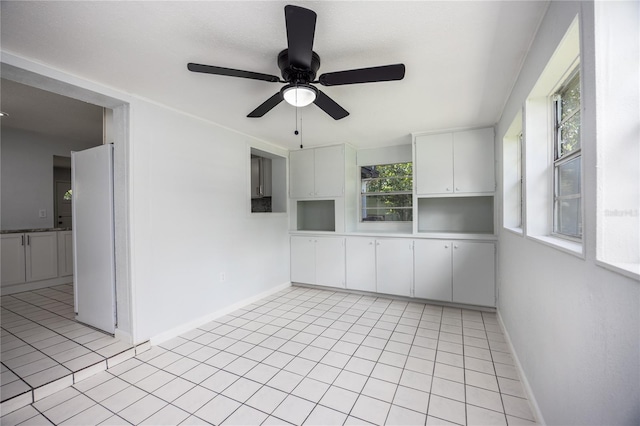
[22,231]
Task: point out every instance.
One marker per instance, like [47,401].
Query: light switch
[42,213]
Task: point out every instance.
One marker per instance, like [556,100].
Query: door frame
[20,70]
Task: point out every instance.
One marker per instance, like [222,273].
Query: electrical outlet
[223,277]
[42,213]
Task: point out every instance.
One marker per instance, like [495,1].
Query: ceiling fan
[299,64]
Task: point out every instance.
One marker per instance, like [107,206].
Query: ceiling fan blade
[266,106]
[363,75]
[210,69]
[301,27]
[329,106]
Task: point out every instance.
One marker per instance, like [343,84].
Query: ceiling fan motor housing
[295,75]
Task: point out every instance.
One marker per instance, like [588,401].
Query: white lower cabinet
[65,253]
[448,271]
[29,257]
[394,266]
[433,273]
[318,260]
[361,264]
[474,273]
[380,265]
[455,271]
[13,259]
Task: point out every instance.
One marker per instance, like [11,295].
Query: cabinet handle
[28,239]
[446,246]
[22,240]
[457,189]
[448,189]
[370,243]
[455,247]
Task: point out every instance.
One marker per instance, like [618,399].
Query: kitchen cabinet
[361,261]
[474,273]
[13,259]
[382,265]
[455,271]
[65,253]
[260,177]
[394,266]
[317,172]
[455,162]
[29,257]
[318,260]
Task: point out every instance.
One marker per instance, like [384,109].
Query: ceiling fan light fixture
[299,95]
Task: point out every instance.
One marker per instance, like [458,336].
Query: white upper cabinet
[434,164]
[455,163]
[317,172]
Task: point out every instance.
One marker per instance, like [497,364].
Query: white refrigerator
[93,237]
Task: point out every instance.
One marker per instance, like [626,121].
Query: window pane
[387,201]
[386,170]
[569,178]
[570,98]
[387,185]
[569,220]
[387,215]
[570,135]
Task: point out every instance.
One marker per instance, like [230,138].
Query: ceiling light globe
[299,96]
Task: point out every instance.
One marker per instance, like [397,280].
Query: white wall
[191,221]
[185,181]
[574,325]
[27,176]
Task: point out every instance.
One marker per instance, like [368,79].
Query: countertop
[21,231]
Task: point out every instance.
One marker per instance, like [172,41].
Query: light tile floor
[313,357]
[44,349]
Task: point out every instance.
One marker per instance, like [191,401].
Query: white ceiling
[462,59]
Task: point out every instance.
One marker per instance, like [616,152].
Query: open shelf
[472,215]
[316,215]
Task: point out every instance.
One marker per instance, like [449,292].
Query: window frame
[560,159]
[363,194]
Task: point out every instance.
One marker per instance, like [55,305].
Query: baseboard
[35,285]
[177,331]
[523,378]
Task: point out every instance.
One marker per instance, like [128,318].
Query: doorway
[118,135]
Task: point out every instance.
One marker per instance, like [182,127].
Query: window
[387,192]
[512,178]
[567,206]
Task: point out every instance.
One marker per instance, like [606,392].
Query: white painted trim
[176,331]
[523,378]
[124,336]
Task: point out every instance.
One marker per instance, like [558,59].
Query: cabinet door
[330,263]
[303,260]
[474,168]
[432,266]
[361,264]
[13,260]
[42,255]
[65,253]
[434,164]
[394,266]
[474,273]
[329,171]
[256,179]
[301,173]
